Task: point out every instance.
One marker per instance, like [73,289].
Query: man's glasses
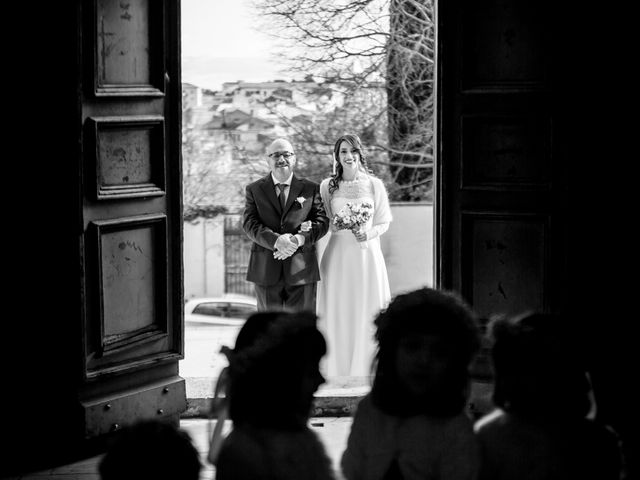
[286,155]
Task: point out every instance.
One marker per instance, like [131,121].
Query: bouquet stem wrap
[364,245]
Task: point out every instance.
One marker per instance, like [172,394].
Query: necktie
[281,197]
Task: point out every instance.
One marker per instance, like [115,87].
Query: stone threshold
[337,398]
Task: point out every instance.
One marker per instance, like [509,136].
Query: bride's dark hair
[355,142]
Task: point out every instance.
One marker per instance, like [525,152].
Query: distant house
[225,132]
[238,126]
[250,130]
[191,96]
[198,104]
[196,116]
[281,94]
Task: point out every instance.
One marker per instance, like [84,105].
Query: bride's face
[349,157]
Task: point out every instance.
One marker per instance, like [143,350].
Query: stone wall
[407,247]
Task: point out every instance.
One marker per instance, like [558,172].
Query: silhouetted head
[427,339]
[151,449]
[274,369]
[538,370]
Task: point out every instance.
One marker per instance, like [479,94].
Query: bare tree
[362,47]
[314,135]
[409,79]
[197,179]
[215,174]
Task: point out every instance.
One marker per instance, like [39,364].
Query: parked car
[229,309]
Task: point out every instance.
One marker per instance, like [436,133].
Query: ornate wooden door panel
[96,338]
[131,202]
[498,208]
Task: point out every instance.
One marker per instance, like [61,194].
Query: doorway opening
[242,88]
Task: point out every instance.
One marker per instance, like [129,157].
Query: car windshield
[241,310]
[216,309]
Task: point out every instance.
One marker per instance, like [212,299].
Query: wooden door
[498,221]
[534,202]
[94,336]
[131,199]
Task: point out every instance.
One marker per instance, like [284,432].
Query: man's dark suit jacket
[264,221]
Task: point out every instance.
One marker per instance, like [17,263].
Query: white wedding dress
[354,286]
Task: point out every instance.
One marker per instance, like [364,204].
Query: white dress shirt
[287,182]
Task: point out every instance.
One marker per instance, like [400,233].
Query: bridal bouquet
[353,216]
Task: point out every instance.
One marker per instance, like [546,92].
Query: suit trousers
[286,297]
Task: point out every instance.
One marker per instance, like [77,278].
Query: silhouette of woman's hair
[433,312]
[151,449]
[274,352]
[537,368]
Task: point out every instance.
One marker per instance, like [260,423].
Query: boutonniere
[300,200]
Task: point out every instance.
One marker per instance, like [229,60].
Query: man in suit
[283,264]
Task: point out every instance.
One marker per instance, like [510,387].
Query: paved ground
[337,397]
[202,343]
[332,431]
[203,362]
[335,402]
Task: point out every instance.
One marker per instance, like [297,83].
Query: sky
[221,43]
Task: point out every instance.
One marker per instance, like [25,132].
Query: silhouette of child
[273,374]
[413,424]
[151,449]
[540,428]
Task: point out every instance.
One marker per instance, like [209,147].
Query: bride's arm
[382,214]
[326,200]
[377,230]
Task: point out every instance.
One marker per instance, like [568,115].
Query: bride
[354,285]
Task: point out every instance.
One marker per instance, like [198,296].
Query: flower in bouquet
[353,216]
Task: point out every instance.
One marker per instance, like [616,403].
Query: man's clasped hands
[287,244]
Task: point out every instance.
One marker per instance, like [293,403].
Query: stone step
[336,398]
